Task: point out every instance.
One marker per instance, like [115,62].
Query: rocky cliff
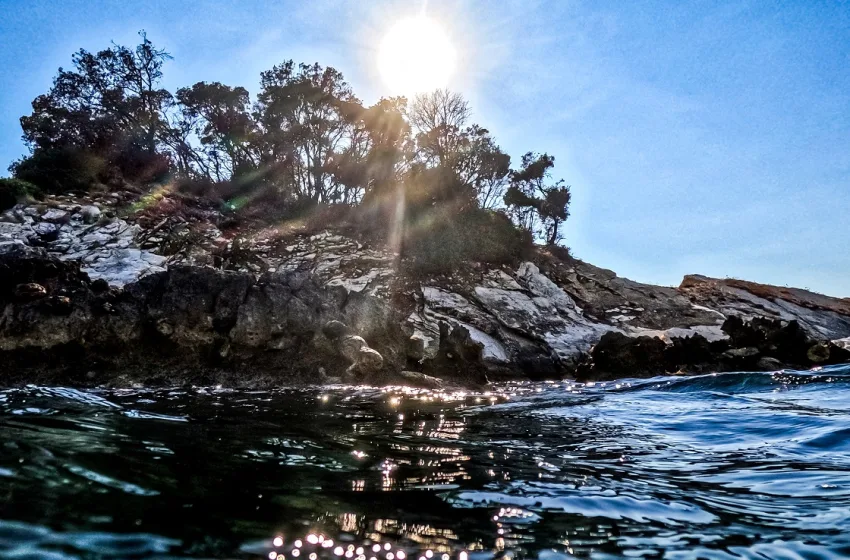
[99,290]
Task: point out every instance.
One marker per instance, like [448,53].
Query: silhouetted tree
[444,140]
[115,91]
[483,165]
[219,116]
[534,204]
[305,140]
[110,105]
[307,122]
[438,118]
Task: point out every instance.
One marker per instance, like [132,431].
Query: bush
[198,187]
[13,191]
[444,241]
[140,166]
[58,170]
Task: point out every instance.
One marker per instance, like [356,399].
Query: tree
[377,159]
[438,118]
[110,105]
[307,130]
[305,140]
[115,91]
[480,163]
[534,204]
[444,140]
[218,115]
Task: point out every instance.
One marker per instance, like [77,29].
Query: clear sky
[698,136]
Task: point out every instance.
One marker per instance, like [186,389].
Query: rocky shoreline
[101,291]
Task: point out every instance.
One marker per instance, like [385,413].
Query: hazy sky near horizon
[698,136]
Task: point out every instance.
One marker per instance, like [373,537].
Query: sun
[416,56]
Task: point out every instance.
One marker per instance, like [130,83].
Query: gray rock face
[194,320]
[330,302]
[820,316]
[106,251]
[512,314]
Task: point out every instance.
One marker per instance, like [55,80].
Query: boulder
[10,217]
[838,354]
[335,330]
[417,346]
[46,232]
[55,216]
[90,214]
[369,361]
[351,346]
[30,291]
[767,363]
[456,343]
[785,341]
[693,353]
[618,355]
[818,353]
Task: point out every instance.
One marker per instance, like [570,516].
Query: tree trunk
[553,237]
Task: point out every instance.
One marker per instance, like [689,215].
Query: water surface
[739,465]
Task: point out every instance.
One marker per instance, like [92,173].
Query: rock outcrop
[818,315]
[86,298]
[104,246]
[186,324]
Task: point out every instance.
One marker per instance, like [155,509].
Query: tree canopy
[305,137]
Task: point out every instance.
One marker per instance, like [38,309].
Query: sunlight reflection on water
[717,466]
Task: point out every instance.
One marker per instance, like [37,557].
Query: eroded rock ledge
[86,299]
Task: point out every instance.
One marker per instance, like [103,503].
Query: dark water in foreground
[749,465]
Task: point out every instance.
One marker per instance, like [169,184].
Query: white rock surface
[843,342]
[340,261]
[105,251]
[710,332]
[817,322]
[508,313]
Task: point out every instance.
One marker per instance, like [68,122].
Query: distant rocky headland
[142,288]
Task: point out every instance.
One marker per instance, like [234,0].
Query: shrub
[199,187]
[443,242]
[140,166]
[13,191]
[58,170]
[560,252]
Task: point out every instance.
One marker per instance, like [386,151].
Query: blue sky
[698,136]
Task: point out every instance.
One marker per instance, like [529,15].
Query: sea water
[734,465]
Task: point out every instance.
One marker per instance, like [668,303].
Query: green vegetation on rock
[14,190]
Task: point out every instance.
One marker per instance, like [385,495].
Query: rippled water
[741,465]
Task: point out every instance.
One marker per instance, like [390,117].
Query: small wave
[748,382]
[23,540]
[717,466]
[154,416]
[109,482]
[50,400]
[612,507]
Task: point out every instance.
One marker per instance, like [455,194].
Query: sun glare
[415,56]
